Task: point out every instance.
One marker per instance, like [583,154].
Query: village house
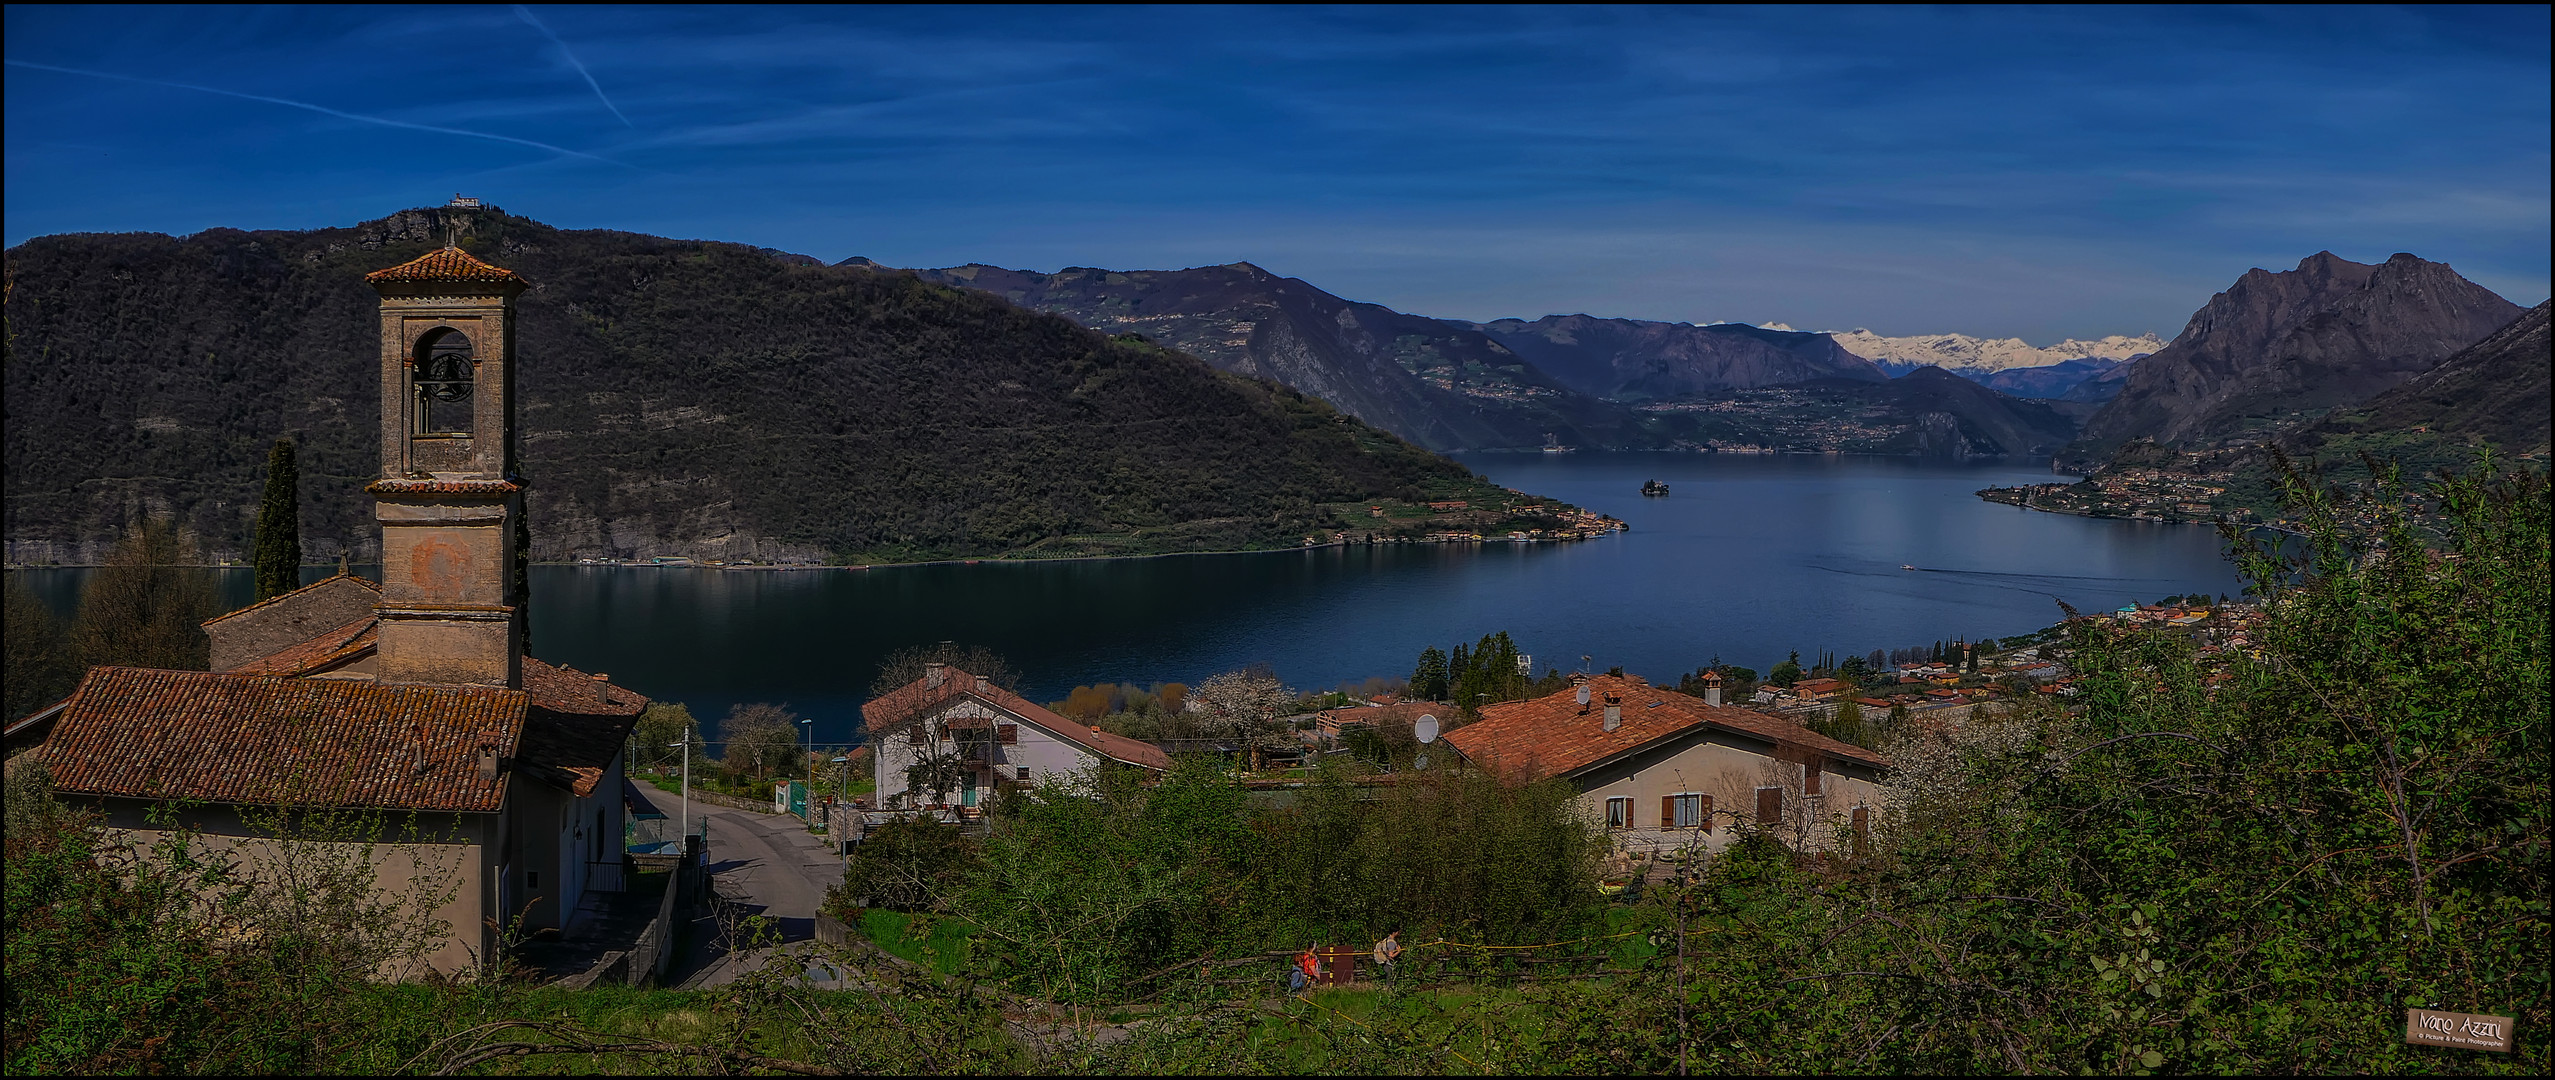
[497,777]
[1664,771]
[991,735]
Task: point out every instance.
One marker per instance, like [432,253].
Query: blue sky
[2028,172]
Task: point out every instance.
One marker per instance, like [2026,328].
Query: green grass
[933,942]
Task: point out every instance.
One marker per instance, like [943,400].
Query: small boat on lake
[1654,489]
[1904,566]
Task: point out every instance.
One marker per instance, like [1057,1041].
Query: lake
[1748,558]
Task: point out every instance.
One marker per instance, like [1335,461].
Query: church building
[412,699]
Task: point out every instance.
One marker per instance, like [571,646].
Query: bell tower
[450,499]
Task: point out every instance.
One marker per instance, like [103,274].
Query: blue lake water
[1748,558]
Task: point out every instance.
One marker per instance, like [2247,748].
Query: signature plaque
[2466,1031]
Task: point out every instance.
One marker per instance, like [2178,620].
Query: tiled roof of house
[1550,736]
[914,698]
[331,648]
[444,264]
[271,740]
[561,688]
[578,722]
[443,487]
[281,598]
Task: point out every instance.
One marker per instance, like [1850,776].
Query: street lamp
[686,744]
[810,724]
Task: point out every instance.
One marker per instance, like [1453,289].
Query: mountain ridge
[676,397]
[2275,346]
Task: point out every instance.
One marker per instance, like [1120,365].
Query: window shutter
[1667,811]
[1810,775]
[914,735]
[1008,734]
[1769,807]
[1703,811]
[1862,821]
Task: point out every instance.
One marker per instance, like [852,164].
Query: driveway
[760,864]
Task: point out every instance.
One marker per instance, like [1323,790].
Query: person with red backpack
[1307,970]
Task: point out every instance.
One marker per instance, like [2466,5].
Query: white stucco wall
[1036,755]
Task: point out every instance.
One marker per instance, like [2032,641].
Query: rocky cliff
[2279,347]
[2492,392]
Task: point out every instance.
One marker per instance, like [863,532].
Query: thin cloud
[526,14]
[320,109]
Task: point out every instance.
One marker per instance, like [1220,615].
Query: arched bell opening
[441,377]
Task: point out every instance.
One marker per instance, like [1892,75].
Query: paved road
[763,864]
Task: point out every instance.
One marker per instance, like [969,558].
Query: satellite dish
[1583,695]
[1425,730]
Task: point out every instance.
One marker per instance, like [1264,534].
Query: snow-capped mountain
[1963,354]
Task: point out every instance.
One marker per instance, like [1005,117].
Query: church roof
[271,740]
[444,264]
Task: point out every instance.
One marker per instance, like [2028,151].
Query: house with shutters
[988,736]
[495,777]
[1663,770]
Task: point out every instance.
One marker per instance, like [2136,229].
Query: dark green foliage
[1084,888]
[279,525]
[1429,679]
[1787,672]
[1486,673]
[146,606]
[42,667]
[909,864]
[865,415]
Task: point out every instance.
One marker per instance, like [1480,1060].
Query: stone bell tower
[450,499]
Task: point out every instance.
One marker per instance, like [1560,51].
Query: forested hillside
[678,397]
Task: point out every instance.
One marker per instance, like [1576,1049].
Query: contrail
[320,109]
[526,14]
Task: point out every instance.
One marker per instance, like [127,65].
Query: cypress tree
[279,525]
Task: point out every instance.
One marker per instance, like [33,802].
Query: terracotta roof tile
[444,264]
[912,699]
[577,724]
[1549,735]
[330,648]
[442,487]
[268,740]
[286,597]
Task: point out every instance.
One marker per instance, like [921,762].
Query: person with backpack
[1307,970]
[1387,952]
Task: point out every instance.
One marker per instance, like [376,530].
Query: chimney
[1614,710]
[488,755]
[982,686]
[934,674]
[603,688]
[1712,688]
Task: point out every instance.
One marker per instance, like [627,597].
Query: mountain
[1639,360]
[2277,347]
[1442,385]
[2055,381]
[2494,391]
[1974,357]
[1928,412]
[676,398]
